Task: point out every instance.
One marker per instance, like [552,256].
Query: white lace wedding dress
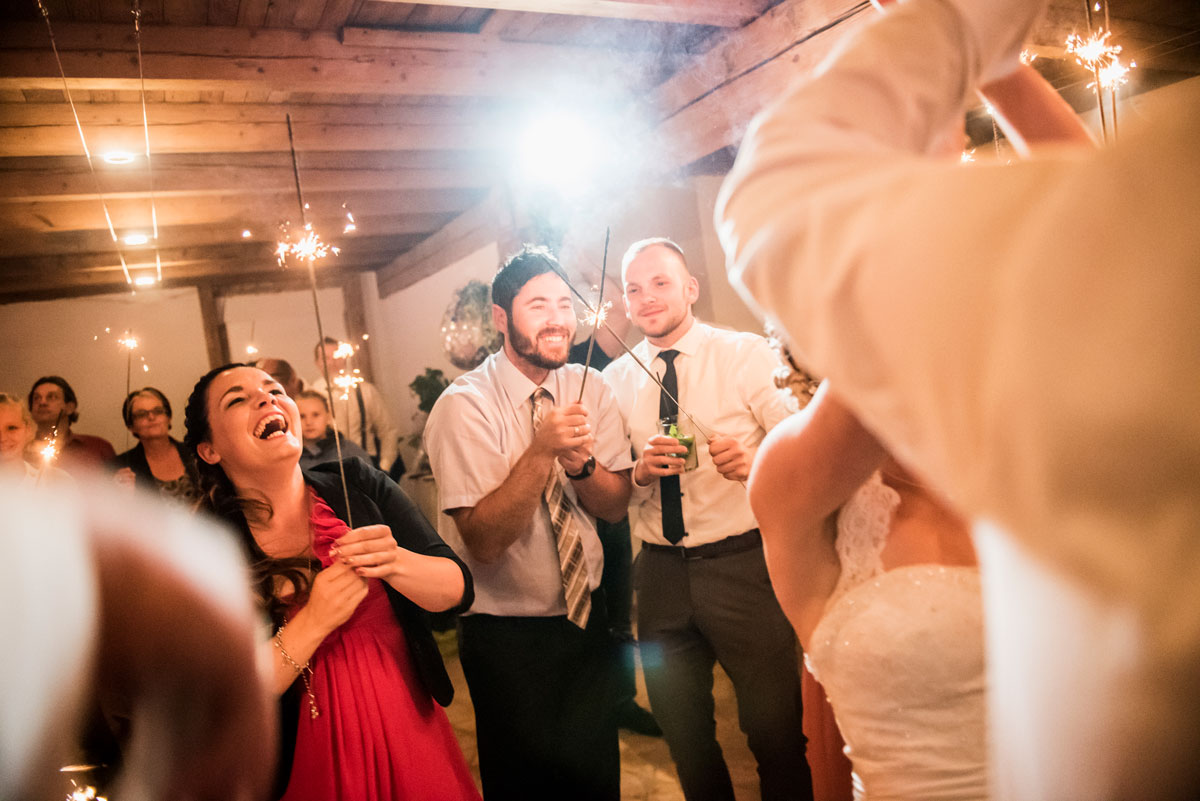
[900,654]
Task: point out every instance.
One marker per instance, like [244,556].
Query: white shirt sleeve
[379,421]
[464,455]
[971,315]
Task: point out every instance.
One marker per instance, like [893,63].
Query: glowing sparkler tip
[344,351]
[967,156]
[598,316]
[251,350]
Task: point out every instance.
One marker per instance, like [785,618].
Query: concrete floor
[647,773]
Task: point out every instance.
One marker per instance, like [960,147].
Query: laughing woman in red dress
[354,661]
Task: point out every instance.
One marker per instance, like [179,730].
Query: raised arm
[806,468]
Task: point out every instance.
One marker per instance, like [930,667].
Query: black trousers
[543,693]
[617,583]
[693,613]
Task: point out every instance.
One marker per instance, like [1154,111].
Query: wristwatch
[588,468]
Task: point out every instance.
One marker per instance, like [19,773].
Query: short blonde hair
[641,245]
[8,399]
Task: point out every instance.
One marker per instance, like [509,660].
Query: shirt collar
[517,386]
[689,344]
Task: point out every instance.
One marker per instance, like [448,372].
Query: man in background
[55,409]
[360,412]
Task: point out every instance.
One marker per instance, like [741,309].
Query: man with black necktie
[702,586]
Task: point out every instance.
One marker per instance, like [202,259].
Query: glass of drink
[681,428]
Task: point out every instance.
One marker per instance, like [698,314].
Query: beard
[527,348]
[665,327]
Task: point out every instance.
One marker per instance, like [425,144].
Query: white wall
[405,330]
[284,326]
[727,306]
[67,338]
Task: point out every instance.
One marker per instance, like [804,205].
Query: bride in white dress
[879,580]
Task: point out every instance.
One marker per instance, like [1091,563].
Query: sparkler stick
[704,430]
[129,342]
[599,315]
[312,280]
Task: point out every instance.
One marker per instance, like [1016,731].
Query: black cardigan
[135,460]
[375,498]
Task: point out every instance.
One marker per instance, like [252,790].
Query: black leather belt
[738,543]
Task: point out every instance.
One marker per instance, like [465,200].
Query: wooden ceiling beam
[230,280]
[722,13]
[62,185]
[489,221]
[168,114]
[76,215]
[353,250]
[24,243]
[778,30]
[749,69]
[201,137]
[212,59]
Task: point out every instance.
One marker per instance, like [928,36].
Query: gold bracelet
[304,671]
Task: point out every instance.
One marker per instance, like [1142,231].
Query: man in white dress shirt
[702,586]
[1043,378]
[523,465]
[361,413]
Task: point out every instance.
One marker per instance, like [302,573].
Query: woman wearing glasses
[158,462]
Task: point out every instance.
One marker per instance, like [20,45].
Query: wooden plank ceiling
[401,114]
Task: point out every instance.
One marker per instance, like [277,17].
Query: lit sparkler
[1094,51]
[344,351]
[312,283]
[350,225]
[308,248]
[596,317]
[347,381]
[1102,58]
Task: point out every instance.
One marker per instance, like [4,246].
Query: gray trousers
[693,613]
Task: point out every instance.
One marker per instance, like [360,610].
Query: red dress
[379,735]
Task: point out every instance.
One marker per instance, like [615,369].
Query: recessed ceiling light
[119,157]
[144,280]
[136,239]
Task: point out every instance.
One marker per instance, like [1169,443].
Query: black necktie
[668,486]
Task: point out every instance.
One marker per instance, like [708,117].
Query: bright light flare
[145,280]
[346,382]
[1113,74]
[48,451]
[134,240]
[967,156]
[309,247]
[246,233]
[128,341]
[559,150]
[596,317]
[251,350]
[1028,57]
[344,351]
[1095,51]
[119,157]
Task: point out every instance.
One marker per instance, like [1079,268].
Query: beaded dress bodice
[900,654]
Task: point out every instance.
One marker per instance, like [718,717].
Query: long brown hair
[220,498]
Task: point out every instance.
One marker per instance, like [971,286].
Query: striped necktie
[571,560]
